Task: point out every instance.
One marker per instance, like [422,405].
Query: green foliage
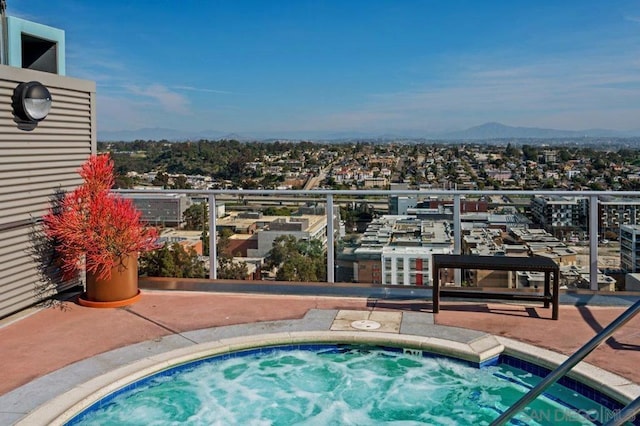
[511,151]
[123,182]
[222,160]
[196,217]
[530,152]
[297,260]
[564,155]
[277,211]
[161,179]
[228,269]
[172,261]
[357,217]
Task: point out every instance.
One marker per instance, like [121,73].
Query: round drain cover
[365,325]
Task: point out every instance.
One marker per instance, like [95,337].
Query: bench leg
[556,296]
[435,285]
[547,289]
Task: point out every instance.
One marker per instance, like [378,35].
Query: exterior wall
[484,278]
[35,165]
[560,215]
[400,205]
[408,265]
[161,209]
[265,241]
[632,282]
[240,247]
[630,248]
[614,213]
[369,271]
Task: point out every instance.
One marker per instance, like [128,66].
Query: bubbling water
[337,386]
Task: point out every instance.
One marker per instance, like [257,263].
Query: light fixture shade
[31,101]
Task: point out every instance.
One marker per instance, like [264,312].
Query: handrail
[625,414]
[563,368]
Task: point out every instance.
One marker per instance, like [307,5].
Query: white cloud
[168,100]
[199,89]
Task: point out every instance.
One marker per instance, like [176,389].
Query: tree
[530,152]
[196,217]
[228,268]
[172,261]
[161,179]
[511,151]
[277,211]
[297,260]
[180,182]
[123,182]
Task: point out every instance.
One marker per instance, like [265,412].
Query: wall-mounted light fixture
[31,101]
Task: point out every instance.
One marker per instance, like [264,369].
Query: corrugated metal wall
[34,165]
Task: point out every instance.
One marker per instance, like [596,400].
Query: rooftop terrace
[47,351]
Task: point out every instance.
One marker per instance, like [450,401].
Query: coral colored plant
[93,228]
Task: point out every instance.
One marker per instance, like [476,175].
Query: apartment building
[616,211]
[398,250]
[304,227]
[630,248]
[562,216]
[161,209]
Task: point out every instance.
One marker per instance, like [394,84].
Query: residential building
[562,216]
[399,205]
[630,248]
[161,209]
[304,227]
[616,211]
[398,250]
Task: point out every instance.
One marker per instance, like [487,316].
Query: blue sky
[281,67]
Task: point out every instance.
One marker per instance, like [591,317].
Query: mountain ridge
[490,130]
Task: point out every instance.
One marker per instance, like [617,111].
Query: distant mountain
[501,131]
[483,131]
[158,133]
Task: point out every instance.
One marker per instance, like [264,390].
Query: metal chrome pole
[213,248]
[330,241]
[571,362]
[457,236]
[626,414]
[593,242]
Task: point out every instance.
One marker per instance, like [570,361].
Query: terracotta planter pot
[120,290]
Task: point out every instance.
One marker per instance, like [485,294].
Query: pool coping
[60,395]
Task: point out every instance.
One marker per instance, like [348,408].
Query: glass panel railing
[388,237]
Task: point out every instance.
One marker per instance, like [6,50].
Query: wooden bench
[497,263]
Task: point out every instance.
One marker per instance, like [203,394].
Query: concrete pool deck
[47,352]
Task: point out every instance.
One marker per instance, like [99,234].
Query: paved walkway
[47,340]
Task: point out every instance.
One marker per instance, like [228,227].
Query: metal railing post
[330,241]
[593,242]
[213,243]
[626,414]
[457,236]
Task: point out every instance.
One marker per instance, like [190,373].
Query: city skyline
[385,67]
